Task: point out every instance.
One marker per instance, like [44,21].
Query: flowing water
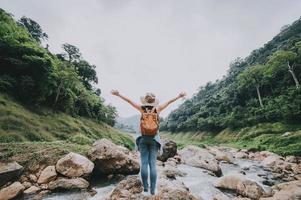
[198,180]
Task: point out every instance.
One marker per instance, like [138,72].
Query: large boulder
[112,159]
[286,191]
[169,150]
[68,184]
[199,157]
[241,185]
[9,171]
[74,165]
[48,174]
[11,191]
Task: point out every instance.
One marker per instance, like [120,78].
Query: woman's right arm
[135,105]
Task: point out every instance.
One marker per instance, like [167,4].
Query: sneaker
[145,193]
[154,192]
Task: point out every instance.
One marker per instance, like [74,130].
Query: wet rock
[47,175]
[33,189]
[169,150]
[41,195]
[11,191]
[64,183]
[74,165]
[112,159]
[198,157]
[9,172]
[241,185]
[286,191]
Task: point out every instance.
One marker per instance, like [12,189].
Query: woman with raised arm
[148,141]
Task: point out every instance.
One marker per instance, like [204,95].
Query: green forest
[36,77]
[261,88]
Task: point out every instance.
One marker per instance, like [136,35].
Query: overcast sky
[162,46]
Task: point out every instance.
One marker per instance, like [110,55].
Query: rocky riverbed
[109,171]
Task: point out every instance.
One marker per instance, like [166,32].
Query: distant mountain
[128,124]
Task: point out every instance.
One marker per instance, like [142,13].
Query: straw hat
[149,100]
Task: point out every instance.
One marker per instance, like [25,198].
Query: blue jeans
[148,148]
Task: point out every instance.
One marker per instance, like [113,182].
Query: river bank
[213,172]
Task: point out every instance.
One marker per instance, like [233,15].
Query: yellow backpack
[149,122]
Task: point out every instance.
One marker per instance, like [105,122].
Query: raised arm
[135,105]
[163,106]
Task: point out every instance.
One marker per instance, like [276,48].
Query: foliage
[37,77]
[270,75]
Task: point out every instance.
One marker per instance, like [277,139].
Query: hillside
[31,135]
[262,88]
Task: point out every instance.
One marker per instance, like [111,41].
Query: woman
[148,145]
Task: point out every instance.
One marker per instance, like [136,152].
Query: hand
[182,94]
[115,92]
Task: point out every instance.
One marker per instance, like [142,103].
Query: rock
[271,160]
[221,197]
[126,188]
[172,172]
[11,191]
[9,172]
[291,159]
[198,157]
[47,175]
[26,184]
[131,188]
[224,156]
[32,178]
[32,190]
[41,194]
[64,183]
[112,159]
[74,165]
[241,185]
[241,155]
[296,168]
[286,191]
[169,150]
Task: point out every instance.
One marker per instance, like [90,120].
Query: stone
[241,185]
[74,165]
[32,178]
[291,159]
[33,189]
[68,184]
[199,157]
[224,156]
[47,175]
[271,160]
[9,172]
[241,155]
[11,191]
[221,197]
[169,150]
[26,184]
[112,159]
[286,191]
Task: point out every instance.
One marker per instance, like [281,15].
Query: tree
[253,76]
[72,51]
[33,28]
[283,58]
[86,72]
